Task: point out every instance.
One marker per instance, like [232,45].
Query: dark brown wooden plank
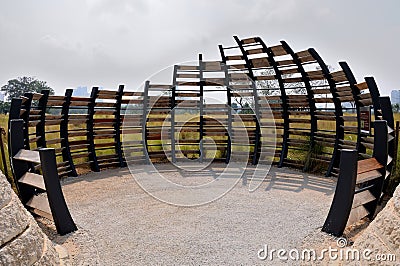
[368,165]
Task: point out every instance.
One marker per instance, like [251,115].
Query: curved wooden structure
[272,102]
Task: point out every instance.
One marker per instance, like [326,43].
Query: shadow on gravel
[282,179]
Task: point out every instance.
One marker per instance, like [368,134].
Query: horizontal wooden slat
[255,51]
[40,206]
[32,179]
[368,165]
[357,214]
[362,198]
[28,155]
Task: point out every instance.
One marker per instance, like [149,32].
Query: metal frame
[335,160]
[66,152]
[201,125]
[117,126]
[90,128]
[40,128]
[342,201]
[144,120]
[172,106]
[284,99]
[345,159]
[229,102]
[345,191]
[310,97]
[25,116]
[59,210]
[255,96]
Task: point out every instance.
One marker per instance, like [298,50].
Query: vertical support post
[229,103]
[310,95]
[117,126]
[284,99]
[40,127]
[201,106]
[25,116]
[62,218]
[15,109]
[355,92]
[258,128]
[374,91]
[173,103]
[249,66]
[144,120]
[339,212]
[90,130]
[66,152]
[229,98]
[338,111]
[18,167]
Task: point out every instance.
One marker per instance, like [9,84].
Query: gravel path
[126,226]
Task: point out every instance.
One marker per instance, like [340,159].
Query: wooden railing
[293,104]
[360,183]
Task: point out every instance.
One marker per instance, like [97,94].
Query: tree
[270,87]
[246,109]
[4,107]
[395,108]
[18,87]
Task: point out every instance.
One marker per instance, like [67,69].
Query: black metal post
[66,152]
[117,126]
[249,66]
[284,99]
[229,102]
[40,127]
[173,104]
[62,218]
[355,92]
[338,111]
[90,131]
[310,95]
[15,109]
[144,120]
[374,91]
[339,212]
[18,167]
[201,106]
[25,116]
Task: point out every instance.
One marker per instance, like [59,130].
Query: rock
[21,239]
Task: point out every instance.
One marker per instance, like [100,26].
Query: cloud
[105,42]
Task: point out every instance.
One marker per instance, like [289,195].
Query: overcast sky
[71,43]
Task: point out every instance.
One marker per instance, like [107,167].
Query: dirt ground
[121,224]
